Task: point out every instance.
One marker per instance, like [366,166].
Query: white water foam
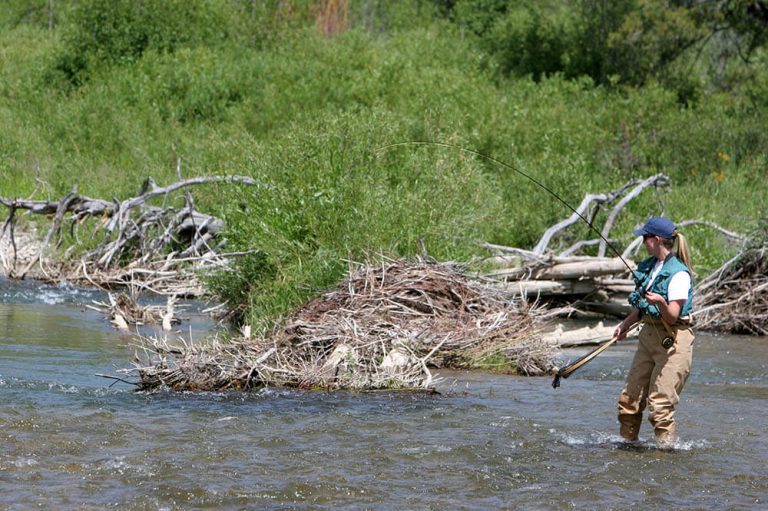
[65,389]
[120,466]
[24,462]
[51,296]
[612,440]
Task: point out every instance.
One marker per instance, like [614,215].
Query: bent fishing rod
[567,370]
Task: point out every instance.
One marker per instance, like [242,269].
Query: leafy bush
[33,13]
[105,32]
[685,46]
[238,284]
[527,42]
[327,196]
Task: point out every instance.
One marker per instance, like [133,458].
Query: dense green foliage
[105,93]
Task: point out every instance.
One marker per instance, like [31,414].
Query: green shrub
[43,14]
[107,32]
[527,42]
[327,197]
[238,284]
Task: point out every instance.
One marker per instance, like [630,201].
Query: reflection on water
[72,440]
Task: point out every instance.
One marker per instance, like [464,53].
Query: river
[74,440]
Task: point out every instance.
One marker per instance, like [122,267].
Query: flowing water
[73,440]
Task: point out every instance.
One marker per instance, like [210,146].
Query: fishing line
[514,169]
[567,370]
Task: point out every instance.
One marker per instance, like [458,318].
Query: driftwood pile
[554,273]
[735,298]
[156,247]
[577,286]
[384,327]
[125,311]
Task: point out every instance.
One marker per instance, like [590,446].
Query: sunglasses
[646,236]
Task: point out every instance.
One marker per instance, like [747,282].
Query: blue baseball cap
[657,226]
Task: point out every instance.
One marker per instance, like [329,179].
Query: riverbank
[384,327]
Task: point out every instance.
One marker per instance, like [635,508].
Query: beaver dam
[386,326]
[734,299]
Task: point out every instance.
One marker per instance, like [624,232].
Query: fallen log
[616,307]
[582,269]
[586,212]
[584,336]
[564,269]
[616,285]
[577,284]
[538,288]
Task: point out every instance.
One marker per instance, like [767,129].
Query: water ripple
[70,441]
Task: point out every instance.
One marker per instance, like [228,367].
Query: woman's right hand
[620,333]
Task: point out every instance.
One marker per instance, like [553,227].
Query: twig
[117,379]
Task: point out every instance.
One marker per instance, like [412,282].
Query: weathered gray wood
[615,285]
[581,269]
[577,216]
[658,180]
[566,337]
[566,268]
[533,288]
[615,307]
[134,229]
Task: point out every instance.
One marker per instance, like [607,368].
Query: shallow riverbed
[72,440]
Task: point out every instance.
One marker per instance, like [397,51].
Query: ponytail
[678,245]
[680,248]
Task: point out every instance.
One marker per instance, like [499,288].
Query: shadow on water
[72,441]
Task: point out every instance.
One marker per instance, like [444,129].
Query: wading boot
[630,427]
[666,438]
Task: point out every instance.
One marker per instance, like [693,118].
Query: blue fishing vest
[660,285]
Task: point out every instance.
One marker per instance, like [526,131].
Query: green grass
[305,114]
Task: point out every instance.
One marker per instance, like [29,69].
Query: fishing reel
[667,342]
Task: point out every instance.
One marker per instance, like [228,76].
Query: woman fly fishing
[662,302]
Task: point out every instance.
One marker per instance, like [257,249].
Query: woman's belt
[682,321]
